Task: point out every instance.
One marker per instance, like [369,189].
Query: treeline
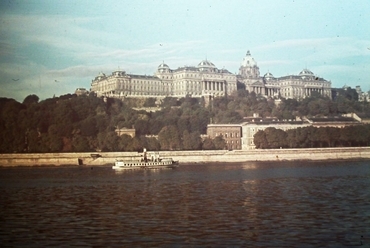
[309,137]
[73,123]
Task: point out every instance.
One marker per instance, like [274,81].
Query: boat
[146,161]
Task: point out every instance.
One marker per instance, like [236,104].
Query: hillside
[73,123]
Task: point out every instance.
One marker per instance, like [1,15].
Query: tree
[30,99]
[292,138]
[32,141]
[152,144]
[260,140]
[141,127]
[80,144]
[191,141]
[108,141]
[88,126]
[208,144]
[169,138]
[276,138]
[220,143]
[54,141]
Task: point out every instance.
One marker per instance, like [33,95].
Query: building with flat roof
[232,134]
[241,136]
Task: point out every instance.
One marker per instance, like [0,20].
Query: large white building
[207,80]
[292,86]
[204,80]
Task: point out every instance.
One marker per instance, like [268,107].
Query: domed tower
[206,66]
[306,74]
[163,68]
[248,67]
[164,72]
[101,76]
[268,76]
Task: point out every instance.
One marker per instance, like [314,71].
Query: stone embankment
[108,158]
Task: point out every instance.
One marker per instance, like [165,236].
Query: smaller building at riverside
[241,136]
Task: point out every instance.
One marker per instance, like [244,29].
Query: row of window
[232,142]
[228,135]
[198,76]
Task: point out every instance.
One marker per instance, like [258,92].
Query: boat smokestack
[145,158]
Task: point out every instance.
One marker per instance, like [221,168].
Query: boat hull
[131,165]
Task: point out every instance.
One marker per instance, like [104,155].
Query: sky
[50,48]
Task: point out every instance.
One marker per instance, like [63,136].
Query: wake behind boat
[153,162]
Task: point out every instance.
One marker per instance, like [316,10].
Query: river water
[254,204]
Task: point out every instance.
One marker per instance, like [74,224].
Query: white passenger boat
[147,161]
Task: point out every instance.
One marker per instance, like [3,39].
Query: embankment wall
[105,158]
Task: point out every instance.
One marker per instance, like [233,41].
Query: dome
[206,64]
[268,76]
[248,60]
[101,74]
[306,72]
[163,68]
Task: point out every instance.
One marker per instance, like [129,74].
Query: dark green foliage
[169,138]
[308,137]
[31,99]
[260,140]
[87,123]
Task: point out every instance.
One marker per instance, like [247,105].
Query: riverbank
[107,158]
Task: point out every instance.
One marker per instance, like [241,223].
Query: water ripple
[209,205]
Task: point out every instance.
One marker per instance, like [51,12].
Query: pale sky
[51,48]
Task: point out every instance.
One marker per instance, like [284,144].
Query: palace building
[292,86]
[204,80]
[207,80]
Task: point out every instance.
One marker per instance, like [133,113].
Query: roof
[332,119]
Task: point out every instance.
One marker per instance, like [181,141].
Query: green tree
[208,144]
[220,143]
[276,138]
[30,99]
[191,141]
[169,138]
[125,142]
[108,141]
[81,144]
[260,140]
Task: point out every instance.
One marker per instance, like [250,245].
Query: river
[254,204]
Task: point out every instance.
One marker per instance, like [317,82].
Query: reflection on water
[281,204]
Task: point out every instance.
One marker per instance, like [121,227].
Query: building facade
[207,80]
[232,134]
[126,131]
[292,86]
[204,80]
[241,136]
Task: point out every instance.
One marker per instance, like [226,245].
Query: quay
[224,156]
